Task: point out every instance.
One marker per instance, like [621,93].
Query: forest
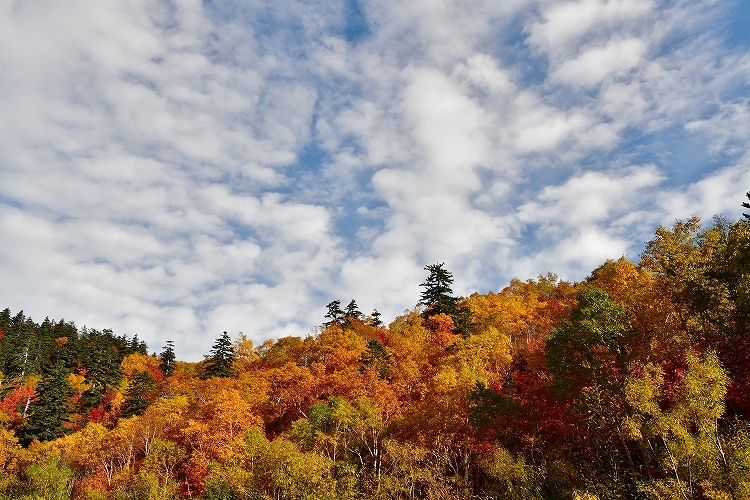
[633,383]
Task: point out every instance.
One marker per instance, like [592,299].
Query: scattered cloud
[176,169]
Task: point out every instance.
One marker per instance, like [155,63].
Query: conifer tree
[167,359]
[352,310]
[139,394]
[335,313]
[437,296]
[376,318]
[375,356]
[51,409]
[219,362]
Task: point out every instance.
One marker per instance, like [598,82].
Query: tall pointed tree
[139,394]
[221,359]
[437,296]
[167,359]
[51,409]
[376,318]
[335,313]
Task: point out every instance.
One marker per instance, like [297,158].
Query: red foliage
[14,403]
[196,471]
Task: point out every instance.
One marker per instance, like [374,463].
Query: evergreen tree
[102,357]
[437,295]
[136,345]
[139,394]
[219,362]
[376,318]
[375,356]
[335,314]
[49,412]
[167,359]
[352,310]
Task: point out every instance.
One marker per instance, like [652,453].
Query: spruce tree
[167,359]
[352,310]
[139,394]
[49,412]
[376,318]
[219,362]
[335,313]
[437,296]
[438,299]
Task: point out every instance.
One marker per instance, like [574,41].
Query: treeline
[634,383]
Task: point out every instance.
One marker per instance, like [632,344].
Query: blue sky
[179,168]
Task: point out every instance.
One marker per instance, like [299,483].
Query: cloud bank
[179,168]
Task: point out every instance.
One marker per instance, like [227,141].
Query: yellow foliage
[137,362]
[78,383]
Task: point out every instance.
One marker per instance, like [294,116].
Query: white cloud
[565,24]
[149,152]
[591,67]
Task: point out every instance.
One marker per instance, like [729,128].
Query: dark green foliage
[486,406]
[376,318]
[102,359]
[49,412]
[437,296]
[352,311]
[27,349]
[136,345]
[589,349]
[167,359]
[462,322]
[335,313]
[219,362]
[375,356]
[140,393]
[20,347]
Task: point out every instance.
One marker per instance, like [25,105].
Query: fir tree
[139,394]
[352,310]
[167,359]
[49,412]
[335,314]
[219,362]
[375,356]
[376,318]
[437,295]
[438,299]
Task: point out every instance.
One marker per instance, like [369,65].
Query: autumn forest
[633,383]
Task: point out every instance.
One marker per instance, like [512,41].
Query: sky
[175,169]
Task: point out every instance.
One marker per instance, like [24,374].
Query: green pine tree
[139,395]
[167,359]
[437,296]
[221,359]
[376,318]
[335,313]
[49,412]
